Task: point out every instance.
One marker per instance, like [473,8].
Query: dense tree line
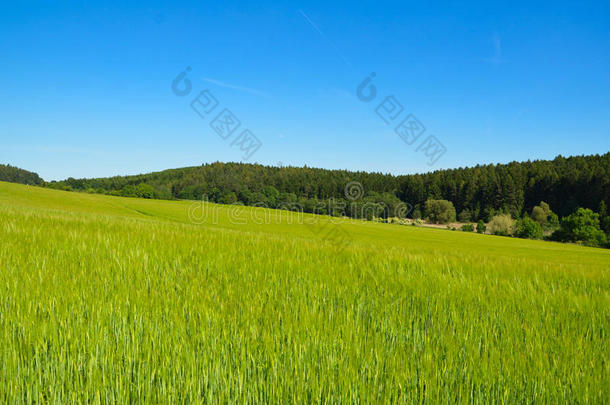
[535,193]
[484,193]
[16,175]
[515,188]
[478,192]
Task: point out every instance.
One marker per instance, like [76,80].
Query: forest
[477,193]
[13,174]
[496,194]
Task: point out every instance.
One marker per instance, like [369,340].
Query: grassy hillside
[112,300]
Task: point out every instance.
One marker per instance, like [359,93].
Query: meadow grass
[117,300]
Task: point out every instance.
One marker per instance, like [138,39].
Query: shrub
[528,228]
[440,211]
[551,224]
[581,226]
[145,191]
[128,191]
[502,225]
[539,215]
[468,228]
[481,228]
[271,196]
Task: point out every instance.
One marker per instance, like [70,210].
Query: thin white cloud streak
[319,31]
[235,87]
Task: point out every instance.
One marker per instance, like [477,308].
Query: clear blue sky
[87,87]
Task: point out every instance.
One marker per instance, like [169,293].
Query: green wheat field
[119,300]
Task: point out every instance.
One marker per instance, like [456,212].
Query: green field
[114,300]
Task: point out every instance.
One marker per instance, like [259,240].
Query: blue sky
[87,86]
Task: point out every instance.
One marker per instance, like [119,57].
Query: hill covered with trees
[478,193]
[16,175]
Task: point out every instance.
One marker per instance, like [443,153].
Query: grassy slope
[114,298]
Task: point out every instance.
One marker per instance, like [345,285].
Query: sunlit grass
[114,300]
